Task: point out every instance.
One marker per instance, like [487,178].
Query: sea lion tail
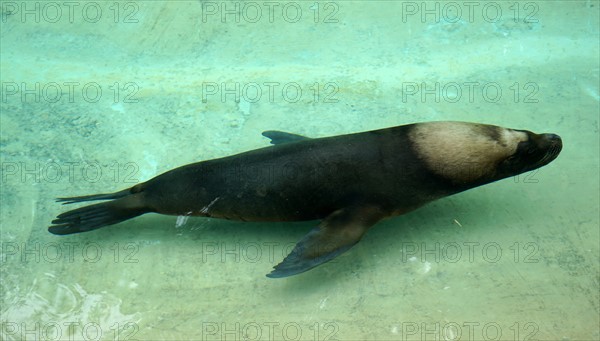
[87,218]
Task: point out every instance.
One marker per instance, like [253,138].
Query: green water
[97,96]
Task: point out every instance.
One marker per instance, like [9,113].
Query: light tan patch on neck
[464,152]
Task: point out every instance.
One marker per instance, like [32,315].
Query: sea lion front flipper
[334,236]
[279,137]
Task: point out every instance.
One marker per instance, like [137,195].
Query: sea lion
[349,181]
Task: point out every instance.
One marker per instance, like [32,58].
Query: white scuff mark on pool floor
[118,107]
[426,267]
[182,219]
[590,89]
[323,303]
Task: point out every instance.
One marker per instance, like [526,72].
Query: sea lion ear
[335,235]
[279,137]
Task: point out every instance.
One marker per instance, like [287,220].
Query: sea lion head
[470,154]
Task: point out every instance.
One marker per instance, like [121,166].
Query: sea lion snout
[552,137]
[552,143]
[547,140]
[549,144]
[536,151]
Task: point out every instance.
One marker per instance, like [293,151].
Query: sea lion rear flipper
[279,137]
[92,217]
[334,236]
